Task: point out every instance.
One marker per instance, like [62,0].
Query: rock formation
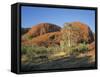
[43,28]
[45,34]
[87,33]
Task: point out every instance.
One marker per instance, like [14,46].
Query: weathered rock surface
[43,28]
[45,40]
[46,34]
[87,33]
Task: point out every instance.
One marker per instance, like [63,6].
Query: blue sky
[31,16]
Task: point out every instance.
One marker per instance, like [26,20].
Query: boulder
[81,32]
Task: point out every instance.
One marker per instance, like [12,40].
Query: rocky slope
[42,28]
[47,39]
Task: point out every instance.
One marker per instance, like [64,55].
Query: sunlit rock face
[43,28]
[47,34]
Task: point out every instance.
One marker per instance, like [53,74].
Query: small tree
[70,37]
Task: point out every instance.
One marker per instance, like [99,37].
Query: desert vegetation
[69,47]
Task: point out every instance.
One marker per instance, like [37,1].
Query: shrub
[34,53]
[83,47]
[24,49]
[30,37]
[53,49]
[27,37]
[80,48]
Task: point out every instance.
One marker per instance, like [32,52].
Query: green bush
[27,37]
[30,37]
[82,47]
[24,49]
[53,49]
[34,52]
